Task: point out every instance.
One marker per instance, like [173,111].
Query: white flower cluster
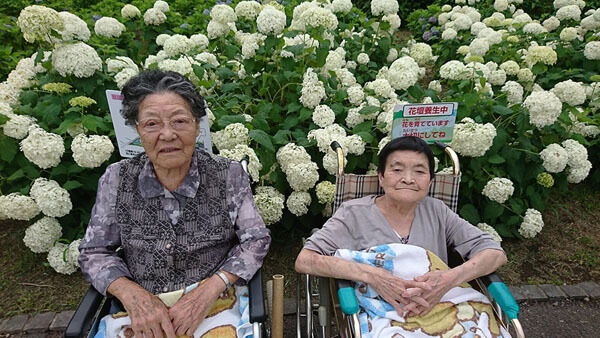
[269,203]
[514,92]
[53,200]
[403,73]
[305,39]
[270,21]
[551,23]
[38,22]
[41,235]
[298,202]
[232,135]
[510,67]
[449,34]
[571,12]
[76,59]
[42,148]
[498,189]
[130,11]
[362,59]
[19,207]
[479,47]
[323,116]
[325,192]
[75,28]
[291,154]
[382,88]
[554,157]
[544,108]
[345,77]
[568,34]
[109,27]
[177,44]
[216,29]
[355,94]
[472,139]
[248,9]
[569,92]
[238,152]
[313,90]
[543,54]
[301,172]
[73,252]
[341,6]
[453,70]
[154,17]
[532,224]
[161,5]
[312,15]
[579,165]
[91,151]
[534,28]
[421,53]
[379,7]
[56,259]
[490,230]
[18,125]
[592,50]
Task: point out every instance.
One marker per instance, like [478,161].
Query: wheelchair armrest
[348,301]
[501,295]
[256,299]
[83,316]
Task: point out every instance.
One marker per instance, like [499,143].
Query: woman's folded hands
[394,290]
[436,285]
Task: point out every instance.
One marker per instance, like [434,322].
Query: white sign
[128,138]
[431,121]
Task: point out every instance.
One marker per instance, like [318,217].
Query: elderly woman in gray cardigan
[180,214]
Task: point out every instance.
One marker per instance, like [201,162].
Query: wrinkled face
[166,146]
[406,178]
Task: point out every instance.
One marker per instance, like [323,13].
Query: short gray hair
[156,82]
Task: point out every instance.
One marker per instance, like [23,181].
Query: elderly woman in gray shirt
[181,215]
[404,214]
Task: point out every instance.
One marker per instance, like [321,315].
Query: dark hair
[406,143]
[154,82]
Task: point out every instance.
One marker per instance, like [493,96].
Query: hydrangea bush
[283,81]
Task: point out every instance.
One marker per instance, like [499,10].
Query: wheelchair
[94,306]
[321,301]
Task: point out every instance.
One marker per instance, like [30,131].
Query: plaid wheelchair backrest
[349,186]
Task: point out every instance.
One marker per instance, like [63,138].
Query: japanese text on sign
[431,122]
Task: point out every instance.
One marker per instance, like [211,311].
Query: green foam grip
[505,299]
[348,301]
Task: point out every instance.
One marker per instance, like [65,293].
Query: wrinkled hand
[392,288]
[149,315]
[438,284]
[191,309]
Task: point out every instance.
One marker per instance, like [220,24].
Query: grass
[566,251]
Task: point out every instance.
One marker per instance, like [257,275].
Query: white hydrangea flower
[355,94]
[577,153]
[298,202]
[248,9]
[73,252]
[551,23]
[75,28]
[330,162]
[223,14]
[403,73]
[154,17]
[326,135]
[314,16]
[514,92]
[207,57]
[291,154]
[525,75]
[119,63]
[453,70]
[56,259]
[76,59]
[323,116]
[269,203]
[435,85]
[523,18]
[568,34]
[18,125]
[571,12]
[379,7]
[333,61]
[341,6]
[346,78]
[53,200]
[381,87]
[42,148]
[461,21]
[238,152]
[232,135]
[38,22]
[162,6]
[532,224]
[270,21]
[130,11]
[355,144]
[555,158]
[500,5]
[124,75]
[570,92]
[177,44]
[578,174]
[491,36]
[590,23]
[19,207]
[41,235]
[544,108]
[477,27]
[510,67]
[353,118]
[199,41]
[449,34]
[490,230]
[472,139]
[325,192]
[109,27]
[302,176]
[479,47]
[362,59]
[394,21]
[91,151]
[313,90]
[497,77]
[421,53]
[592,50]
[216,29]
[498,189]
[382,143]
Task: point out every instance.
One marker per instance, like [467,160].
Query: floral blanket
[462,312]
[229,316]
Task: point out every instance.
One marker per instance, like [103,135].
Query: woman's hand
[191,309]
[392,289]
[438,284]
[149,315]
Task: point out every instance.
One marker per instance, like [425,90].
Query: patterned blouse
[99,259]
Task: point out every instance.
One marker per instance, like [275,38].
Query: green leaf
[230,87]
[3,119]
[226,120]
[470,213]
[198,71]
[261,138]
[231,50]
[271,42]
[539,68]
[259,122]
[492,210]
[470,99]
[496,159]
[282,137]
[17,174]
[225,73]
[502,110]
[70,185]
[89,122]
[293,107]
[416,92]
[290,121]
[9,148]
[517,205]
[365,126]
[366,136]
[368,110]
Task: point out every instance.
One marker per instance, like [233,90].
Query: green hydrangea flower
[545,180]
[57,87]
[81,101]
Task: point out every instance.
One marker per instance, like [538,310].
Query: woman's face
[167,129]
[406,178]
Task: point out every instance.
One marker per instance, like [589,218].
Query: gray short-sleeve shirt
[359,224]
